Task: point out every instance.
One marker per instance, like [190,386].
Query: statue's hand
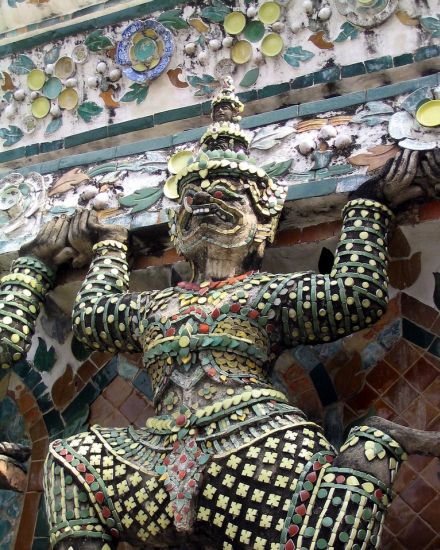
[430,171]
[51,245]
[397,180]
[86,230]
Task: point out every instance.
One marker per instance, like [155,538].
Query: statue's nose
[201,197]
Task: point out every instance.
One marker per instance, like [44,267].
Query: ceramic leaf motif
[11,135]
[297,54]
[88,110]
[172,20]
[22,64]
[268,138]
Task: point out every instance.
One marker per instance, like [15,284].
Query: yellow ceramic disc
[68,99]
[269,12]
[428,114]
[36,79]
[234,22]
[272,44]
[170,188]
[241,52]
[179,160]
[64,67]
[40,107]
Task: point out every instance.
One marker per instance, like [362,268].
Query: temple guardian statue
[227,463]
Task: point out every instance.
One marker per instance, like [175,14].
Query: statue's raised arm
[105,315]
[23,290]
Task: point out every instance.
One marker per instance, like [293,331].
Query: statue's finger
[83,222]
[57,228]
[64,231]
[410,166]
[64,256]
[434,163]
[80,260]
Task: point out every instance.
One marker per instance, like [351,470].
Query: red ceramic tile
[35,476]
[405,272]
[38,430]
[420,414]
[402,356]
[118,391]
[405,477]
[100,411]
[87,370]
[63,389]
[421,374]
[382,377]
[388,541]
[436,327]
[100,358]
[400,395]
[39,449]
[418,494]
[398,246]
[434,426]
[431,514]
[434,545]
[118,420]
[349,379]
[431,474]
[384,410]
[417,535]
[398,516]
[142,418]
[418,312]
[432,392]
[25,401]
[133,406]
[418,462]
[364,400]
[32,416]
[26,528]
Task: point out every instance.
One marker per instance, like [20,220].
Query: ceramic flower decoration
[145,50]
[366,13]
[417,125]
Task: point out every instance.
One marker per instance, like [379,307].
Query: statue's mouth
[210,213]
[209,209]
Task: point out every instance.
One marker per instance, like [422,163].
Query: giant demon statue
[227,463]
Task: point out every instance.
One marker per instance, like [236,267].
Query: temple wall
[332,106]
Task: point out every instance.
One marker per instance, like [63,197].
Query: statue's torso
[205,343]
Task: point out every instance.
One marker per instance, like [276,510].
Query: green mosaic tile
[48,146]
[106,374]
[86,396]
[40,543]
[188,135]
[130,126]
[42,526]
[273,89]
[427,52]
[32,378]
[401,87]
[379,64]
[22,368]
[330,74]
[303,81]
[313,189]
[33,149]
[415,334]
[39,389]
[143,383]
[404,59]
[270,117]
[354,69]
[53,422]
[12,154]
[94,134]
[206,108]
[45,402]
[178,114]
[249,95]
[434,348]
